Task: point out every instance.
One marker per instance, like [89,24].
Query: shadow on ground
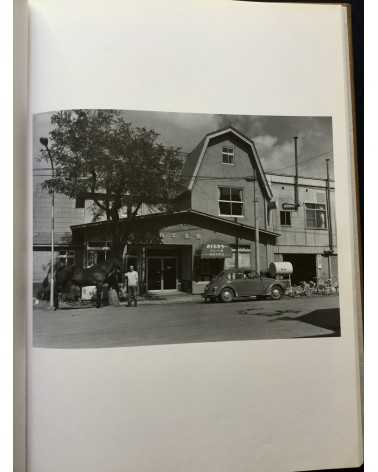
[249,311]
[327,318]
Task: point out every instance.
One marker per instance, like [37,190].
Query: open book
[193,289]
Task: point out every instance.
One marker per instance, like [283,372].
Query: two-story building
[230,213]
[308,234]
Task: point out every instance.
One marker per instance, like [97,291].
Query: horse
[98,275]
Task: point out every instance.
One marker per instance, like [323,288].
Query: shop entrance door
[162,273]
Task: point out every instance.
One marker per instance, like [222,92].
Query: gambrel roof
[195,158]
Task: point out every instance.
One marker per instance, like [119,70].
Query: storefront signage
[215,250]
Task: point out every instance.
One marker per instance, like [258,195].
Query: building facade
[230,213]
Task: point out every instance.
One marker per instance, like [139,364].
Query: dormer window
[228,155]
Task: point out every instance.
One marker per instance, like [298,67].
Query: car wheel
[275,292]
[227,295]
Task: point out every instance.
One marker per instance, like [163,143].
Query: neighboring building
[230,213]
[308,235]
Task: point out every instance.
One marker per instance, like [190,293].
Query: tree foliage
[100,156]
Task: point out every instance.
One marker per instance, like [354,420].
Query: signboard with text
[215,250]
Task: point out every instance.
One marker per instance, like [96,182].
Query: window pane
[237,208]
[310,219]
[80,202]
[316,215]
[285,218]
[236,195]
[321,219]
[224,193]
[225,208]
[100,257]
[227,155]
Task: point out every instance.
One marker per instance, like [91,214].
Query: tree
[99,156]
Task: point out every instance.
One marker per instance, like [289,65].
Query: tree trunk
[116,249]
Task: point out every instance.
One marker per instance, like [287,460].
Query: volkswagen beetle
[232,284]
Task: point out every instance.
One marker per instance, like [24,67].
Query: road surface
[194,321]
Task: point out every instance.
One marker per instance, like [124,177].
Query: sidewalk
[164,299]
[149,299]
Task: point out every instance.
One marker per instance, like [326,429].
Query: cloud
[271,134]
[275,157]
[266,142]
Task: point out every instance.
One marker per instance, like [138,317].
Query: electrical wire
[266,170]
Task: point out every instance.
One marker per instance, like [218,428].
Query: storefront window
[206,269]
[97,253]
[244,258]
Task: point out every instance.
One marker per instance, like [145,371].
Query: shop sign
[215,250]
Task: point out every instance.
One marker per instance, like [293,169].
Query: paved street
[194,321]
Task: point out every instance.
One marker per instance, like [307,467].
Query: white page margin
[217,406]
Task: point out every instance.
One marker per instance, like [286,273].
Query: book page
[265,379]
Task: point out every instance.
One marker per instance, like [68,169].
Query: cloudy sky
[273,136]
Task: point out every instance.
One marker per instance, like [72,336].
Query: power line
[300,162]
[211,177]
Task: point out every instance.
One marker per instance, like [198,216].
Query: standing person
[132,285]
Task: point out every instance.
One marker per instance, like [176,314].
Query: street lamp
[45,143]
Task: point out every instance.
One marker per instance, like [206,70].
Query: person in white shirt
[132,285]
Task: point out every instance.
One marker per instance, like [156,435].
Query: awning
[157,221]
[215,250]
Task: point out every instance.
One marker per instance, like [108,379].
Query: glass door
[154,273]
[169,273]
[162,273]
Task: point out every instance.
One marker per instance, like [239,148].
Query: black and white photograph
[154,228]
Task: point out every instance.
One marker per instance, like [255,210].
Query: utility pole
[296,198]
[257,236]
[329,218]
[329,221]
[253,179]
[44,142]
[236,249]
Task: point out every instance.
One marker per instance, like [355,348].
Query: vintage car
[242,283]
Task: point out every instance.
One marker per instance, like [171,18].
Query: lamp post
[45,143]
